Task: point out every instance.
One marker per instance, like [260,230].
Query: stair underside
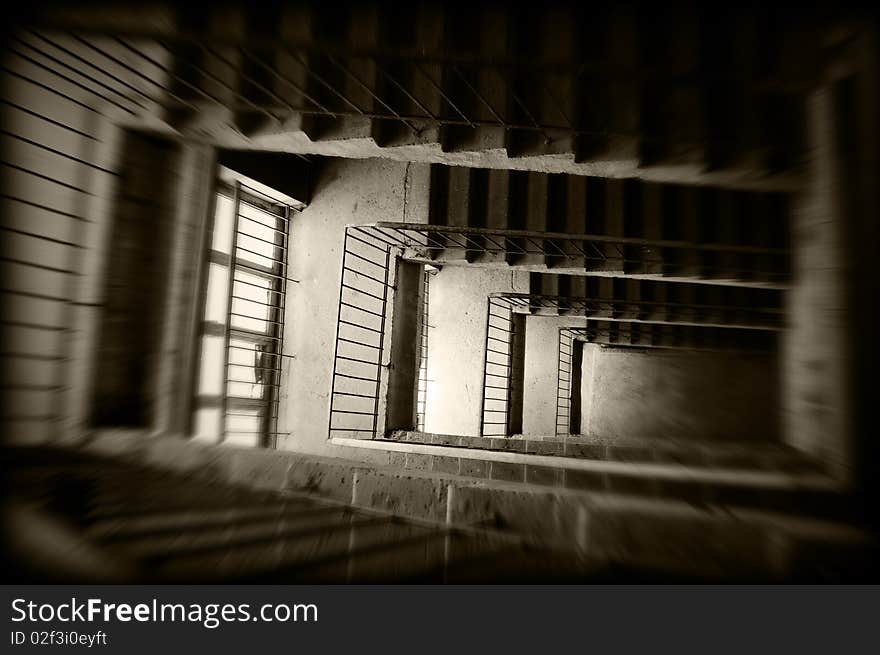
[751,179]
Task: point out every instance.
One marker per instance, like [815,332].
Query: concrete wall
[135,284]
[66,210]
[346,192]
[62,145]
[542,352]
[815,395]
[456,344]
[668,394]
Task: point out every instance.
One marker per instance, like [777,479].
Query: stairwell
[650,181]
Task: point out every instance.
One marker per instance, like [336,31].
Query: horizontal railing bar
[263,194]
[355,377]
[257,302]
[353,271]
[257,286]
[275,260]
[366,293]
[367,311]
[53,91]
[264,353]
[356,359]
[251,382]
[53,210]
[47,178]
[255,318]
[247,266]
[44,267]
[263,225]
[350,231]
[267,242]
[563,236]
[41,237]
[358,343]
[364,259]
[355,395]
[68,79]
[363,327]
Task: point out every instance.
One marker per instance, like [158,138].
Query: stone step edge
[710,455]
[414,494]
[674,472]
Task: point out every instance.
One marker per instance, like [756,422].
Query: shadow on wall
[631,393]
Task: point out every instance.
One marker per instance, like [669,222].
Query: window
[242,329]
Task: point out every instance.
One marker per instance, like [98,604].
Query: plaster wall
[456,344]
[542,352]
[346,192]
[680,395]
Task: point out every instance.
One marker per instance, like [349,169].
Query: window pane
[215,302]
[244,389]
[256,237]
[239,423]
[244,440]
[211,369]
[208,424]
[223,215]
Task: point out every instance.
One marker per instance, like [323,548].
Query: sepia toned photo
[463,293]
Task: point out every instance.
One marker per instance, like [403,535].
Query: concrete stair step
[672,536]
[159,524]
[773,481]
[612,532]
[188,541]
[732,455]
[292,554]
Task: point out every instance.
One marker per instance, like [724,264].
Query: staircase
[637,229]
[82,518]
[723,509]
[130,519]
[713,97]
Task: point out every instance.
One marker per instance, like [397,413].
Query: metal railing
[360,333]
[651,312]
[497,366]
[138,72]
[253,331]
[690,338]
[565,357]
[422,390]
[370,247]
[275,74]
[47,222]
[580,252]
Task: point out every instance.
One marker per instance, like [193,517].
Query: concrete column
[400,412]
[864,240]
[179,353]
[588,354]
[89,291]
[517,374]
[574,399]
[614,224]
[652,224]
[813,348]
[135,285]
